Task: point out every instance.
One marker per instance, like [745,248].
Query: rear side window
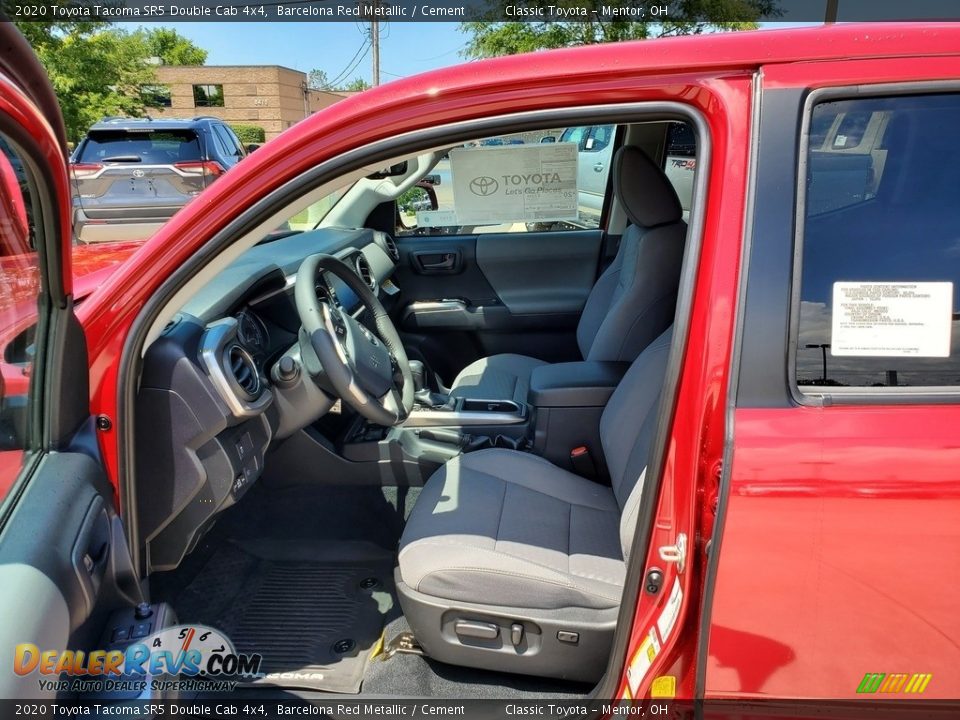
[159,147]
[230,146]
[879,297]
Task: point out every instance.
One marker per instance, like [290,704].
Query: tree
[355,85]
[688,17]
[98,71]
[171,47]
[318,79]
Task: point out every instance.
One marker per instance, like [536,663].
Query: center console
[467,412]
[569,399]
[560,421]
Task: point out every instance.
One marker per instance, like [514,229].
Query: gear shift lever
[421,392]
[419,375]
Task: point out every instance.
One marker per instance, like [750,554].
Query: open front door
[63,558]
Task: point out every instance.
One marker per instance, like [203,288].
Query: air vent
[392,250]
[241,366]
[363,270]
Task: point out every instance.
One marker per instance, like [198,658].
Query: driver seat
[511,563]
[631,303]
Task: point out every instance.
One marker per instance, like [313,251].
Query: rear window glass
[159,147]
[880,281]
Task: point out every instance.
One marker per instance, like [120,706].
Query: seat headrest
[643,189]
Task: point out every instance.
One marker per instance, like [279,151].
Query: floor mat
[314,611]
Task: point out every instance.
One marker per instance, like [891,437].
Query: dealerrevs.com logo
[194,653]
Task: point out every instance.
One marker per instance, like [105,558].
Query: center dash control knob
[286,371]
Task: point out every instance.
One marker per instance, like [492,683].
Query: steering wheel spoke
[368,368]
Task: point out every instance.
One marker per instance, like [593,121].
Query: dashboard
[207,406]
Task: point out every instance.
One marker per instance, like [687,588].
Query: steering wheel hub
[369,370]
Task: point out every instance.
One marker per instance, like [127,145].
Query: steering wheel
[368,371]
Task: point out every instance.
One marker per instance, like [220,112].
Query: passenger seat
[634,300]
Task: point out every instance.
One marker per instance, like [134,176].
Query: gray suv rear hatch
[139,174]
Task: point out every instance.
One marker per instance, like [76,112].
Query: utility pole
[830,15]
[375,46]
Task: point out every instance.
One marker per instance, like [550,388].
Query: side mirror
[548,139]
[251,147]
[432,179]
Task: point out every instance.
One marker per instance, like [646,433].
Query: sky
[405,48]
[408,48]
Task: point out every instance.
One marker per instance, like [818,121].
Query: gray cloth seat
[504,538]
[631,303]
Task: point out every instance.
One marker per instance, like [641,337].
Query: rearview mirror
[548,139]
[396,170]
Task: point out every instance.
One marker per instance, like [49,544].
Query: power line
[351,65]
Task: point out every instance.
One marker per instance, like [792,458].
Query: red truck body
[838,550]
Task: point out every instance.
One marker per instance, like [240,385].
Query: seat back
[627,427]
[635,298]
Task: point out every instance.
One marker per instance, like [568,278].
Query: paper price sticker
[885,319]
[515,183]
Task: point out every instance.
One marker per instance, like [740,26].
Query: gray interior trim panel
[564,265]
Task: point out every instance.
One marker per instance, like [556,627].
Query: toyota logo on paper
[484,186]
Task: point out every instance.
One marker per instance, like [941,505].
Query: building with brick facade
[269,96]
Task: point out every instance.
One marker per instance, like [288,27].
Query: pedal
[403,643]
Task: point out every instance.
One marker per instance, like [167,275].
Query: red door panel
[839,552]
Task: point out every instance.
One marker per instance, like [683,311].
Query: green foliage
[355,85]
[406,200]
[249,134]
[171,47]
[98,71]
[688,17]
[318,80]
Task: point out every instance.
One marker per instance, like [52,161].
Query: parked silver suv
[130,175]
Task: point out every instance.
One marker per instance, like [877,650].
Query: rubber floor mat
[315,614]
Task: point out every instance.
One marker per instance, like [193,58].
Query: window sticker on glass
[515,183]
[892,319]
[436,218]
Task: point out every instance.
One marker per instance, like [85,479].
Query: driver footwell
[314,610]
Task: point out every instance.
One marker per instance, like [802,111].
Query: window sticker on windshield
[515,183]
[892,319]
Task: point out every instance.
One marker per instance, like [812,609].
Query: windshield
[312,215]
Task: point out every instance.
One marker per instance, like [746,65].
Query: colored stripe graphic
[891,683]
[871,682]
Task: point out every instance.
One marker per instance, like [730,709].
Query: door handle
[444,262]
[447,263]
[599,167]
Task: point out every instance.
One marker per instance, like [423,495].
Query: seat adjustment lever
[476,629]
